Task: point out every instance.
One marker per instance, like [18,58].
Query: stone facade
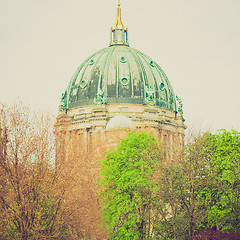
[83,139]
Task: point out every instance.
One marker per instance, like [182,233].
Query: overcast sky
[196,42]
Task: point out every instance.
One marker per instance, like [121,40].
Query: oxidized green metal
[119,74]
[179,104]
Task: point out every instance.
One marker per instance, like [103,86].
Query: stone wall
[82,140]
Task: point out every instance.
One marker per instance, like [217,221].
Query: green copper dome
[119,74]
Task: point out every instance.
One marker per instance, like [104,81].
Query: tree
[179,185]
[200,192]
[31,190]
[129,187]
[221,195]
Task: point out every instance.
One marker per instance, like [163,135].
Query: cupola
[119,74]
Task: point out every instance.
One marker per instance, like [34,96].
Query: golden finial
[119,15]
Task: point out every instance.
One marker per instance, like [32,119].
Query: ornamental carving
[100,99]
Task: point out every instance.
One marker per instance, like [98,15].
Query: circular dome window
[91,62]
[124,81]
[162,86]
[123,60]
[83,84]
[152,64]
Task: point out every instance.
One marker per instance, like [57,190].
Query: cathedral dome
[119,74]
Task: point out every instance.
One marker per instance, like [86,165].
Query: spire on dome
[119,15]
[119,33]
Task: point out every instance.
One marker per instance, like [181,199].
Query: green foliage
[222,192]
[201,190]
[198,191]
[129,187]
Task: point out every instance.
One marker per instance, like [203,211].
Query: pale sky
[196,42]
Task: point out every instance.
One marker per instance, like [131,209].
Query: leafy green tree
[129,187]
[201,191]
[221,196]
[175,199]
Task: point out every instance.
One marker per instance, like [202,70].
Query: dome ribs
[120,74]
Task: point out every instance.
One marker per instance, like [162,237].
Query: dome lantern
[119,33]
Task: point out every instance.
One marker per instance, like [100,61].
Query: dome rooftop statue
[120,121]
[119,74]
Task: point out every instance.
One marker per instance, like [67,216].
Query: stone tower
[116,90]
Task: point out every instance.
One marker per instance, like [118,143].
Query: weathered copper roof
[119,74]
